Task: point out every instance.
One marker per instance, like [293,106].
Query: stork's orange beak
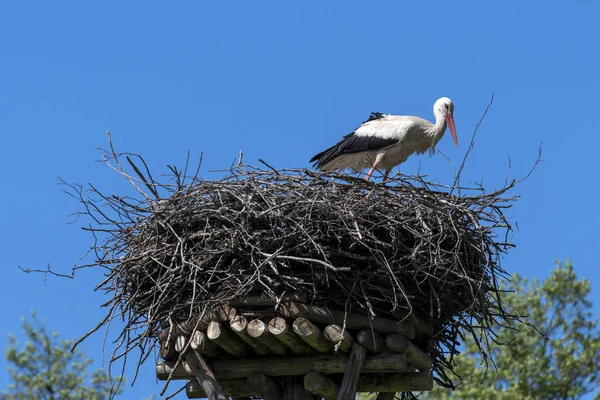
[450,122]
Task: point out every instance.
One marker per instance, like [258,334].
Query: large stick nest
[381,249]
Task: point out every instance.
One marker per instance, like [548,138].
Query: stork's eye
[446,105]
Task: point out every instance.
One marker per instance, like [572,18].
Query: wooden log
[167,351]
[180,343]
[386,396]
[258,330]
[237,388]
[221,313]
[370,383]
[283,331]
[352,321]
[414,355]
[201,343]
[282,366]
[238,325]
[320,385]
[342,340]
[293,389]
[350,380]
[264,387]
[312,335]
[205,376]
[371,340]
[226,339]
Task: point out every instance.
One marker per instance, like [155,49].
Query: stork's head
[445,107]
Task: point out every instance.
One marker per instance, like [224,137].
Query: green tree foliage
[566,365]
[46,369]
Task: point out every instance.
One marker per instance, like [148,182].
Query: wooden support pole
[321,386]
[341,339]
[384,383]
[352,321]
[238,325]
[371,340]
[262,386]
[201,343]
[258,330]
[281,366]
[312,335]
[230,342]
[205,376]
[350,380]
[414,355]
[282,330]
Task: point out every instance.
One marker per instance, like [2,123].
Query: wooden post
[258,330]
[312,335]
[355,364]
[226,339]
[264,387]
[282,330]
[341,339]
[205,376]
[321,386]
[238,325]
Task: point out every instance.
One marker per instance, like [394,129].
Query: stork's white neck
[437,130]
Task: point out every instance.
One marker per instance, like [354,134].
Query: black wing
[353,143]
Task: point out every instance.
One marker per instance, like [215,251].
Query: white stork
[384,141]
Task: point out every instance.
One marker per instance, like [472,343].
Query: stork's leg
[385,175]
[371,171]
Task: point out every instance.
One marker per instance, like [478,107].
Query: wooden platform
[301,352]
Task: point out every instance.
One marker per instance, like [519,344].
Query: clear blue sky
[282,82]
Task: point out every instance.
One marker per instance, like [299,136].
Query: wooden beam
[204,376]
[350,380]
[238,325]
[264,387]
[341,339]
[369,383]
[414,355]
[226,339]
[398,382]
[320,385]
[352,321]
[258,330]
[201,343]
[283,331]
[284,366]
[386,396]
[371,340]
[312,335]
